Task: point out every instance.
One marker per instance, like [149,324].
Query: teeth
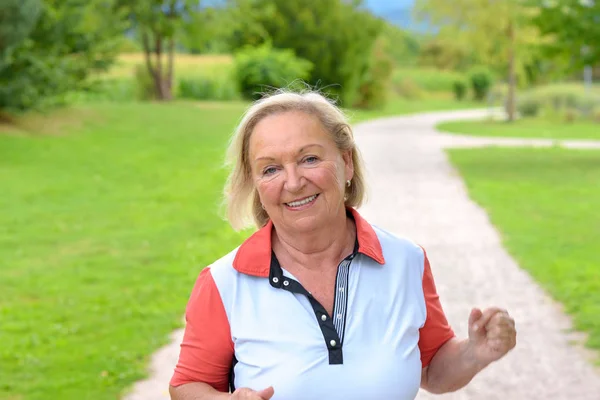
[302,202]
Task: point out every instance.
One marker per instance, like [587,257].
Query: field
[545,204]
[526,128]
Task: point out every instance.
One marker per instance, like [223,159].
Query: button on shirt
[250,323]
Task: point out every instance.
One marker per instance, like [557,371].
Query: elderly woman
[318,303]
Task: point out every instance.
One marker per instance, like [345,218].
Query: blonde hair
[240,196]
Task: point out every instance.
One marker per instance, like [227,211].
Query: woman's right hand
[249,394]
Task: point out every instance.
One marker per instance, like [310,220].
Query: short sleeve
[206,352]
[436,331]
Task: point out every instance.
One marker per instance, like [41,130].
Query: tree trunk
[169,76]
[148,56]
[512,81]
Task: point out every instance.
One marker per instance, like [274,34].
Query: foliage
[158,23]
[481,80]
[528,106]
[545,202]
[429,79]
[17,19]
[145,88]
[69,40]
[336,36]
[216,87]
[460,88]
[407,88]
[499,34]
[570,101]
[573,27]
[374,86]
[405,47]
[260,69]
[445,53]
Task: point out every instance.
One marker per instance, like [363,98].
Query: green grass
[526,128]
[401,106]
[102,234]
[545,204]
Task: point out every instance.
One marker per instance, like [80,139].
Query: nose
[294,181]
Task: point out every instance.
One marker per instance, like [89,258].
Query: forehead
[287,131]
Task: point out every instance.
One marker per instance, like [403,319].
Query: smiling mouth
[302,202]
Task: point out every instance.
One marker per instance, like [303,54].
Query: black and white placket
[332,327]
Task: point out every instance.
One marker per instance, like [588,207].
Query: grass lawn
[545,204]
[526,128]
[103,231]
[400,106]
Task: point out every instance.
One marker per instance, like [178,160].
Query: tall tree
[158,23]
[52,53]
[337,36]
[499,31]
[573,27]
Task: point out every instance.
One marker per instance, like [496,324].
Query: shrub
[112,90]
[571,115]
[459,87]
[408,89]
[481,82]
[528,106]
[144,83]
[263,67]
[596,115]
[374,86]
[215,87]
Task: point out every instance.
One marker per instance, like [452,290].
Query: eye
[269,171]
[311,159]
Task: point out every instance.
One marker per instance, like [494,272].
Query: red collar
[254,255]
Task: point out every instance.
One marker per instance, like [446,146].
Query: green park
[115,116]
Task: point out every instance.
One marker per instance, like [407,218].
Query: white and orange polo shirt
[250,323]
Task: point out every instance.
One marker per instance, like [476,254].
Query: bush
[459,87]
[571,115]
[144,83]
[481,82]
[528,106]
[408,89]
[215,87]
[568,101]
[374,86]
[263,67]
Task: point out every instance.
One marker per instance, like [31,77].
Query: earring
[348,183]
[262,205]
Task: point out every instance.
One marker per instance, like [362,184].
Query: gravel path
[415,192]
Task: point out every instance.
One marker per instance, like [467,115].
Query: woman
[318,303]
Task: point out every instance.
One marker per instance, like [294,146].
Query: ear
[348,164]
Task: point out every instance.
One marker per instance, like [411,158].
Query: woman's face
[298,171]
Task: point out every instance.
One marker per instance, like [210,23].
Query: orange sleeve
[436,330]
[206,353]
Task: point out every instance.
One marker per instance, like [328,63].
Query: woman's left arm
[492,335]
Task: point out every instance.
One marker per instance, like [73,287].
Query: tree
[158,23]
[336,36]
[498,31]
[573,27]
[17,19]
[53,53]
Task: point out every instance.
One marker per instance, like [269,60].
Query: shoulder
[395,245]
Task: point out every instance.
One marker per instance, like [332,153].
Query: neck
[317,248]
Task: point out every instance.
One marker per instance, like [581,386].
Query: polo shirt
[250,323]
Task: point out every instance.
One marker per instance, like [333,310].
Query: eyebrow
[302,149]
